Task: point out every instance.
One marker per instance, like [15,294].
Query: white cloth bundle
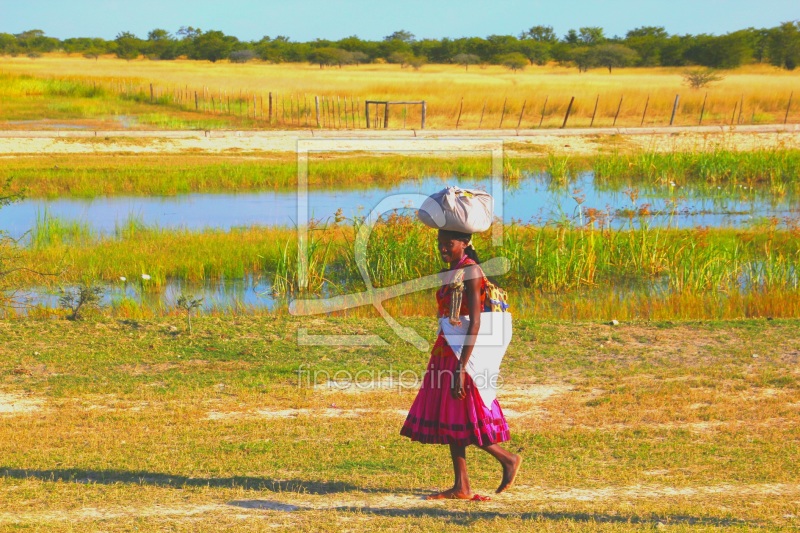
[491,344]
[457,209]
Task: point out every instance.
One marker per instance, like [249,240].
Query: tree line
[584,48]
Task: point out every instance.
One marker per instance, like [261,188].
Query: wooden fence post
[596,102]
[618,109]
[544,107]
[503,113]
[151,93]
[703,110]
[270,107]
[366,112]
[788,106]
[644,113]
[196,107]
[424,113]
[733,117]
[569,109]
[741,107]
[316,107]
[522,112]
[385,116]
[674,109]
[480,122]
[460,108]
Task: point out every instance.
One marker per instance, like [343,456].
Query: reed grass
[769,171]
[485,91]
[646,270]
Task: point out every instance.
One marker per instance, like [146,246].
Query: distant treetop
[586,47]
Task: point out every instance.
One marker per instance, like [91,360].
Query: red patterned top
[444,294]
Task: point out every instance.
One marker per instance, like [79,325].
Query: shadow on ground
[460,517]
[457,516]
[110,477]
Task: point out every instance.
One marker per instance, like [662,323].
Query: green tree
[515,61]
[726,51]
[466,60]
[359,57]
[161,44]
[327,56]
[591,35]
[417,62]
[647,41]
[783,45]
[613,56]
[572,37]
[212,45]
[401,35]
[673,52]
[503,44]
[537,52]
[128,45]
[37,41]
[541,34]
[8,44]
[400,58]
[582,57]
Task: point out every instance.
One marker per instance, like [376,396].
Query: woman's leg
[461,488]
[508,460]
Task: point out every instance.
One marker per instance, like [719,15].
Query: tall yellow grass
[764,90]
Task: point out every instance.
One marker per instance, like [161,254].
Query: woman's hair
[465,238]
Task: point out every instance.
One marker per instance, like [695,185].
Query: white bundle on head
[457,209]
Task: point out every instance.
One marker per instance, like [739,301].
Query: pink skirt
[436,417]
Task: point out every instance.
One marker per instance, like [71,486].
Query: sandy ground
[14,404]
[579,142]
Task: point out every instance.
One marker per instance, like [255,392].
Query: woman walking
[456,404]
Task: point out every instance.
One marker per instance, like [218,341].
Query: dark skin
[452,252]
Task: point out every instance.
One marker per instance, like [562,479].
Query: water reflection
[535,199]
[252,292]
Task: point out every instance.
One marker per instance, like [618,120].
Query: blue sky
[305,20]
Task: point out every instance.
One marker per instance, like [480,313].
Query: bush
[699,78]
[241,56]
[79,299]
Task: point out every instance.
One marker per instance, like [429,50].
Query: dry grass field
[760,94]
[137,425]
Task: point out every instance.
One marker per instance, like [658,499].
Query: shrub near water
[631,266]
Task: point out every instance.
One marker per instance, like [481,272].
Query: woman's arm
[472,294]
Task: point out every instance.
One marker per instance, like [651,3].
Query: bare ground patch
[17,404]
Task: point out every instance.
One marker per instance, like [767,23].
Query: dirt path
[579,142]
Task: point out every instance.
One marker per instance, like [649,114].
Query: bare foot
[450,494]
[509,474]
[453,494]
